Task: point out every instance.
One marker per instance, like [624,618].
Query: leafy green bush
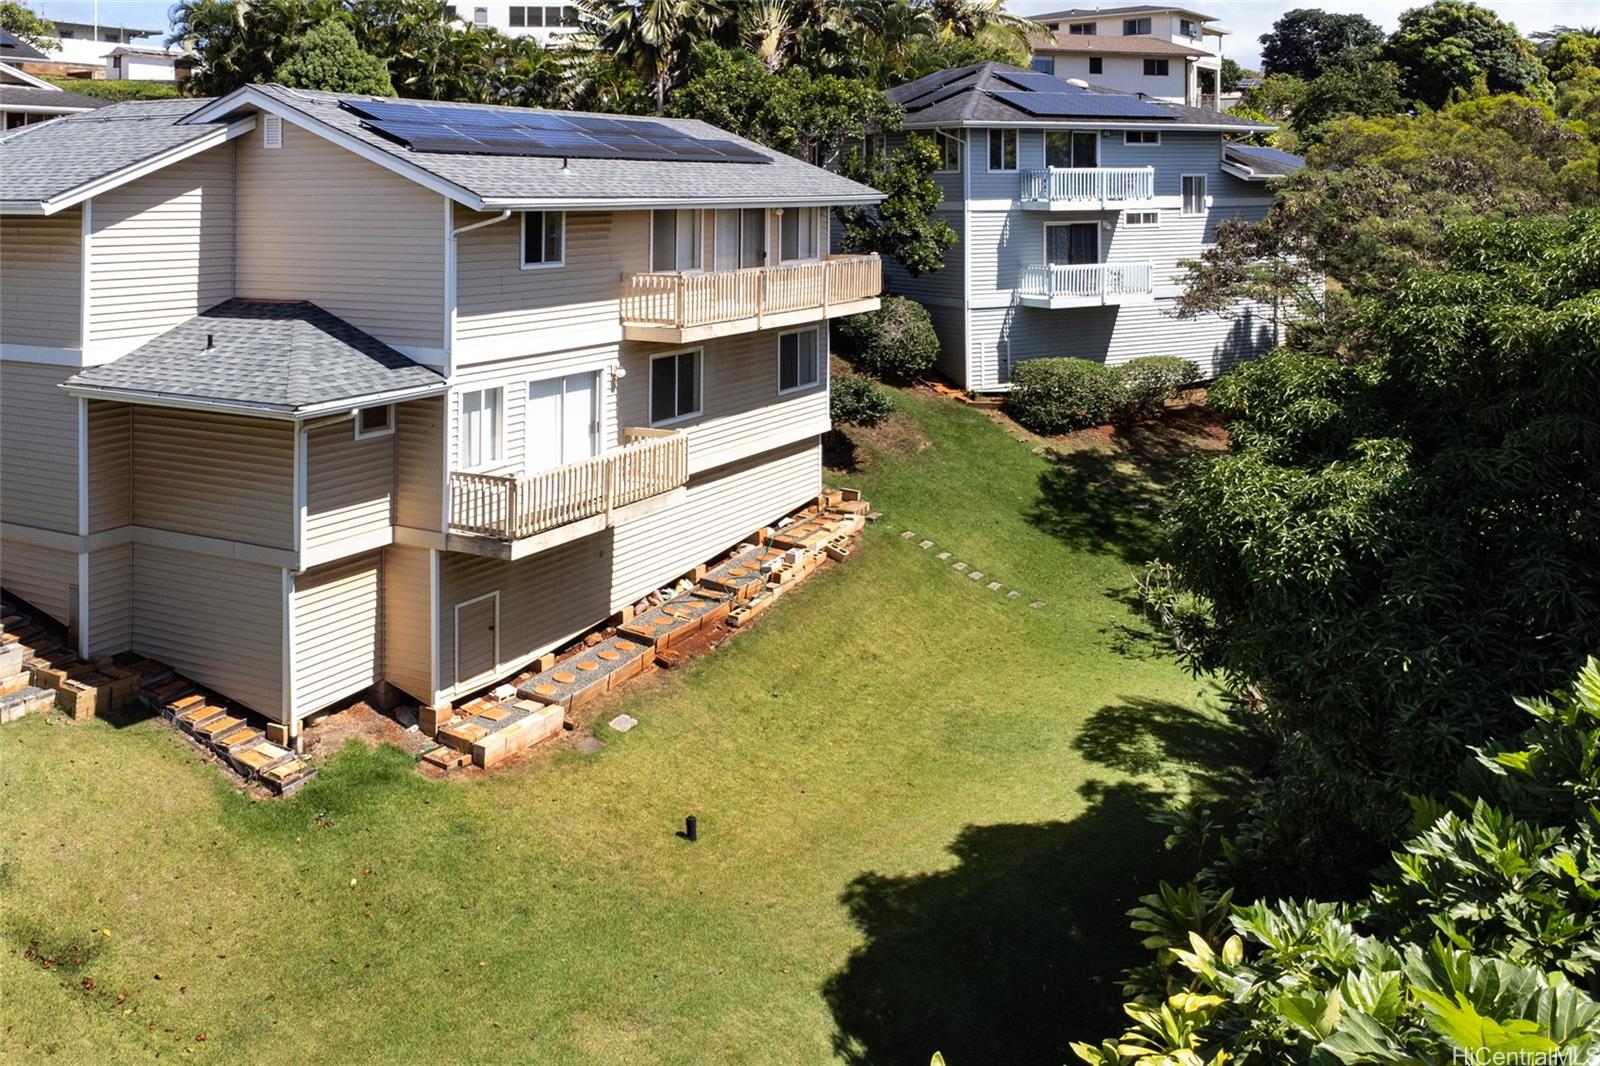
[330,58]
[857,401]
[1151,380]
[118,89]
[1057,395]
[896,342]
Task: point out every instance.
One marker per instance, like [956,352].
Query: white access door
[563,424]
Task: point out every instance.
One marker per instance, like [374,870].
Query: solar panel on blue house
[507,131]
[1036,82]
[1080,105]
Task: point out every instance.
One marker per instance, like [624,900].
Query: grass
[923,807]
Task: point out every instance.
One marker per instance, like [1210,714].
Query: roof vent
[1078,83]
[272,132]
[211,341]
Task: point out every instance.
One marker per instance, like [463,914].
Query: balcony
[514,515]
[1086,285]
[683,308]
[1087,188]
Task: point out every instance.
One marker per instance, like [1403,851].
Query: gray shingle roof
[960,95]
[44,161]
[25,96]
[275,357]
[1266,162]
[503,177]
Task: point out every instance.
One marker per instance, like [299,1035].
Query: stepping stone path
[1013,594]
[925,545]
[907,535]
[960,568]
[623,722]
[976,575]
[993,586]
[1036,604]
[944,555]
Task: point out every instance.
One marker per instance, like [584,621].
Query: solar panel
[1079,105]
[511,131]
[1261,152]
[1035,82]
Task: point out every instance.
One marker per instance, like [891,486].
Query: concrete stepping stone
[590,745]
[907,535]
[976,575]
[993,586]
[959,567]
[623,722]
[925,545]
[1036,604]
[943,556]
[1013,594]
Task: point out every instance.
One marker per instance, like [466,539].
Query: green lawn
[924,809]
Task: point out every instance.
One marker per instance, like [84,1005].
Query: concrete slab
[623,722]
[590,745]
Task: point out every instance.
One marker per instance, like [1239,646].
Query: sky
[1246,20]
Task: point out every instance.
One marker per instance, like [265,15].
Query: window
[543,239]
[1081,29]
[480,427]
[374,422]
[674,387]
[797,232]
[480,16]
[741,238]
[1097,65]
[1155,68]
[1068,148]
[949,151]
[1072,243]
[1141,136]
[798,365]
[1002,149]
[1142,218]
[1044,64]
[1194,194]
[875,148]
[1135,27]
[1189,27]
[519,16]
[675,240]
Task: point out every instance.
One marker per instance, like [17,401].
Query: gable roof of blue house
[998,94]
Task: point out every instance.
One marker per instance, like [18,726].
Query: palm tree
[982,20]
[653,37]
[766,28]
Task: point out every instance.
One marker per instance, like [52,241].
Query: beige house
[303,393]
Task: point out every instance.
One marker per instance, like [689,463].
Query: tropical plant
[904,225]
[1449,45]
[897,342]
[329,58]
[653,37]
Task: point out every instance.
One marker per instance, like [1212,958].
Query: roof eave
[513,203]
[285,412]
[1096,124]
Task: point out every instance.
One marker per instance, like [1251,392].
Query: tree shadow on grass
[1144,736]
[1011,953]
[1099,502]
[839,452]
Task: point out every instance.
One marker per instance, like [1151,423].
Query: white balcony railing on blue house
[1086,284]
[1088,186]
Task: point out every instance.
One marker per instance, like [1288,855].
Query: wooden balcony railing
[1089,282]
[684,301]
[1088,185]
[513,506]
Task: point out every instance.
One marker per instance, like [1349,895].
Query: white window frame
[480,16]
[1141,27]
[1154,219]
[822,362]
[1183,199]
[700,228]
[499,442]
[371,434]
[941,138]
[1188,27]
[1044,142]
[1016,151]
[818,218]
[1164,68]
[522,245]
[1141,138]
[699,388]
[1083,29]
[1099,244]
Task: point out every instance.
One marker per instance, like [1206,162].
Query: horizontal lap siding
[742,413]
[419,462]
[41,286]
[498,304]
[950,324]
[39,454]
[218,621]
[111,600]
[943,285]
[110,465]
[162,249]
[545,599]
[338,632]
[42,576]
[349,484]
[321,224]
[214,475]
[513,375]
[407,617]
[721,507]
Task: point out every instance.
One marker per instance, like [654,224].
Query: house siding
[39,460]
[720,508]
[218,621]
[349,484]
[513,375]
[42,576]
[338,632]
[110,600]
[407,599]
[419,463]
[110,465]
[162,250]
[318,223]
[214,475]
[41,279]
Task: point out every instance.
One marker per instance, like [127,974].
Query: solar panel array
[1270,154]
[1035,82]
[1079,104]
[508,131]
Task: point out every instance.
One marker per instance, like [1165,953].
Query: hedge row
[1059,395]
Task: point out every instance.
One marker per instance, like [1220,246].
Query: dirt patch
[1187,425]
[854,448]
[363,722]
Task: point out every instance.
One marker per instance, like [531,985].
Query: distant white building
[546,23]
[1171,54]
[87,50]
[145,63]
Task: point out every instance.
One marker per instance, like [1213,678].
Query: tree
[1232,74]
[653,37]
[1402,533]
[329,58]
[1364,90]
[28,26]
[1307,41]
[1450,44]
[904,224]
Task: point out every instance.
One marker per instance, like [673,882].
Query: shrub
[1057,395]
[857,401]
[895,343]
[1151,380]
[118,89]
